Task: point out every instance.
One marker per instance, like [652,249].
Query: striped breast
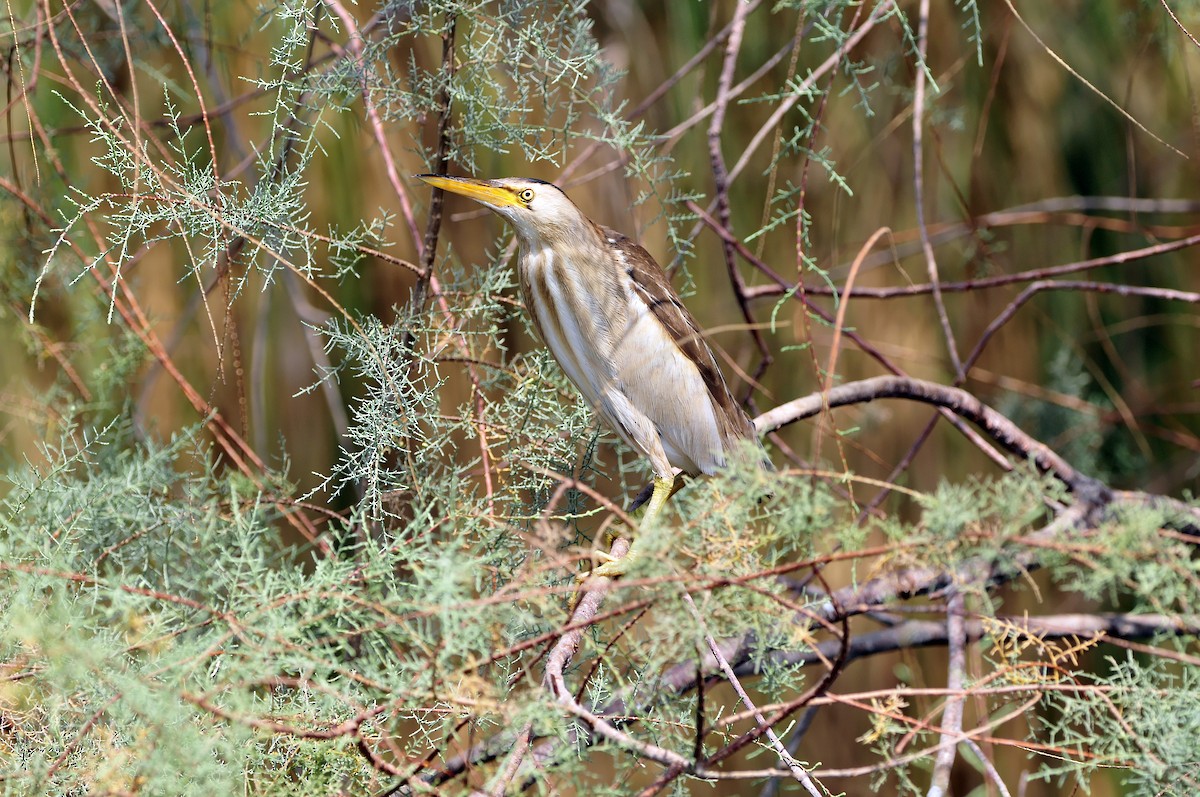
[569,319]
[609,340]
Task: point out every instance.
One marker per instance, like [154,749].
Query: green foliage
[1137,565]
[1146,729]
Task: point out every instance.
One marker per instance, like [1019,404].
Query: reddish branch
[997,427]
[783,287]
[721,182]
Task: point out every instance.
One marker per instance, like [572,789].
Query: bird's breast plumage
[569,318]
[606,331]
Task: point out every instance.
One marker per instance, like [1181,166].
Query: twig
[81,734]
[428,246]
[562,653]
[839,326]
[865,346]
[801,91]
[918,125]
[771,788]
[987,765]
[827,66]
[798,771]
[999,428]
[654,96]
[1179,24]
[784,287]
[1035,288]
[245,458]
[427,281]
[1071,70]
[914,634]
[520,748]
[356,46]
[586,608]
[721,183]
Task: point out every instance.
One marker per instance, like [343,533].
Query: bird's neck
[568,233]
[567,247]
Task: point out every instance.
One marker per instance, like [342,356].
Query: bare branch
[998,428]
[952,716]
[918,126]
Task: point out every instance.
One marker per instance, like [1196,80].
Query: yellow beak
[479,190]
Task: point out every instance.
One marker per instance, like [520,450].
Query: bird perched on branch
[620,333]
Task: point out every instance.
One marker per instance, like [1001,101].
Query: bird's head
[539,211]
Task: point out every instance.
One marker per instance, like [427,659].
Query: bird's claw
[611,534]
[603,568]
[604,557]
[612,568]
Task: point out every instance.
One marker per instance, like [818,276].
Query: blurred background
[1069,133]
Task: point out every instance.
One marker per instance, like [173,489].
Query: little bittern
[620,332]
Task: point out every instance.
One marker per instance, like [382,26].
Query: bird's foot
[605,564]
[610,567]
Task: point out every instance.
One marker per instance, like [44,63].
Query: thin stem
[918,122]
[798,771]
[721,181]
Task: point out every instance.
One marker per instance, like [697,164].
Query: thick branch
[999,428]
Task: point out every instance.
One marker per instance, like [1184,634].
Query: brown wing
[652,283]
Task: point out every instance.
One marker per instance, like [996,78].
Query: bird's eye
[526,196]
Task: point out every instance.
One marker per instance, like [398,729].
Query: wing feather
[652,283]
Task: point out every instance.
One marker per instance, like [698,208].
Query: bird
[619,331]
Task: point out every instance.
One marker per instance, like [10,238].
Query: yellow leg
[614,568]
[663,487]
